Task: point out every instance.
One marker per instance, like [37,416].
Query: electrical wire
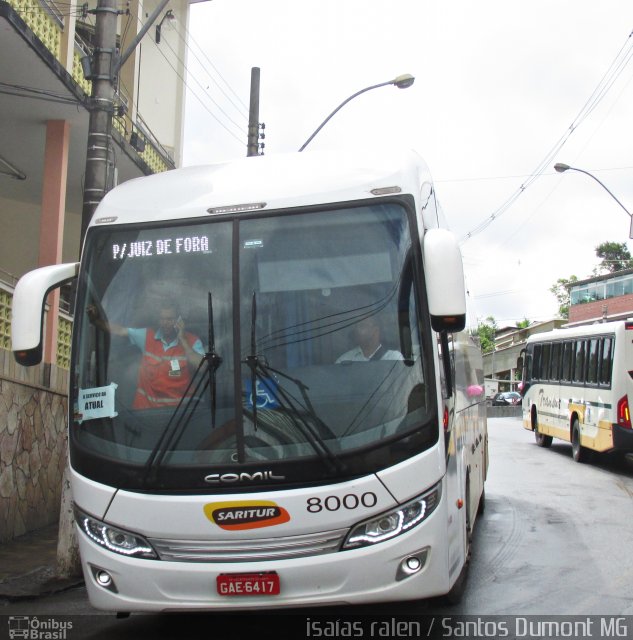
[228,117]
[188,37]
[618,65]
[187,85]
[23,91]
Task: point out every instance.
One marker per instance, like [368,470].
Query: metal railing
[45,20]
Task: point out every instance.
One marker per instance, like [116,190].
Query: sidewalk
[28,566]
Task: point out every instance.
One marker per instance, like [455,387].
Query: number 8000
[348,501]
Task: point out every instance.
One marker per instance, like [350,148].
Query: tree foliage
[615,256]
[486,331]
[560,289]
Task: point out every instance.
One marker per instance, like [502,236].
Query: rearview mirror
[444,274]
[27,312]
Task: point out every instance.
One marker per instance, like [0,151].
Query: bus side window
[554,372]
[579,363]
[536,363]
[606,362]
[566,369]
[592,360]
[545,360]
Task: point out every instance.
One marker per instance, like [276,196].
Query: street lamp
[561,168]
[169,15]
[402,82]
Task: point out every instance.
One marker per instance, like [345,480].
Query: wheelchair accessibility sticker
[266,393]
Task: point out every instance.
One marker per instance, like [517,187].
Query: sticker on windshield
[97,402]
[266,393]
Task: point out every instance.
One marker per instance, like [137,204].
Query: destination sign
[160,247]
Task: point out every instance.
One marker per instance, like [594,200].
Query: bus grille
[256,550]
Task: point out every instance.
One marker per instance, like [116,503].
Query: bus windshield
[285,342]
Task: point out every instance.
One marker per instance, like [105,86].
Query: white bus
[294,467]
[576,387]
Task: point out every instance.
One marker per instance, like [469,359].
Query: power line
[241,107]
[608,79]
[23,91]
[228,117]
[213,115]
[187,85]
[525,175]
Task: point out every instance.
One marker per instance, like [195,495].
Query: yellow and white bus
[299,465]
[576,386]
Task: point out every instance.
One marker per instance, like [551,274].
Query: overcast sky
[498,85]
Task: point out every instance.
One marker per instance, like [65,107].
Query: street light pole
[402,82]
[561,168]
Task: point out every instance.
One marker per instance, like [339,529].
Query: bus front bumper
[622,438]
[369,574]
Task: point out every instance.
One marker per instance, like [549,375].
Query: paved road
[556,538]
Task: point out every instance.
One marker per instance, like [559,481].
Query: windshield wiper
[214,360]
[252,360]
[259,369]
[175,428]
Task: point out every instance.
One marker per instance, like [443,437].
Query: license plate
[248,584]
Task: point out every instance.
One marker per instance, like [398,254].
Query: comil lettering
[229,478]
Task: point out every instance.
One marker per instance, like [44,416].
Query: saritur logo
[248,514]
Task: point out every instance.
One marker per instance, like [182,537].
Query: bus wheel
[579,453]
[482,503]
[541,439]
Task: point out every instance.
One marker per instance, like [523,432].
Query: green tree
[523,324]
[486,331]
[615,256]
[560,289]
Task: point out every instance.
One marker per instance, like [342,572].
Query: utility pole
[98,174]
[253,115]
[105,66]
[99,169]
[103,70]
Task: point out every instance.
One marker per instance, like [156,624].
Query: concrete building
[44,102]
[500,365]
[603,298]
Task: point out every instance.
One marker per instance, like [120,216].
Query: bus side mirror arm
[29,299]
[446,363]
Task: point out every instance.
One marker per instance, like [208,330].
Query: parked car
[506,398]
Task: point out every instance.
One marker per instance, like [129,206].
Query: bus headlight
[113,538]
[392,523]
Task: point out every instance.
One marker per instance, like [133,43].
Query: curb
[38,583]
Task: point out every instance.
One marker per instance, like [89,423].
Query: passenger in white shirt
[367,335]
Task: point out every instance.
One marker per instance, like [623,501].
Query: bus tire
[481,508]
[541,439]
[578,452]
